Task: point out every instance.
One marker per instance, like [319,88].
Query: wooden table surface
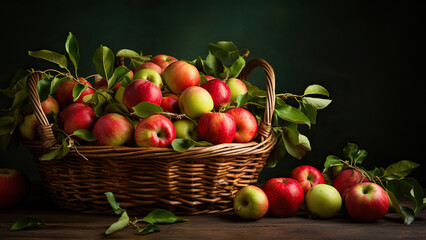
[64,224]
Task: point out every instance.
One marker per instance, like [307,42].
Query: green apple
[28,128]
[323,200]
[185,128]
[251,202]
[194,101]
[237,87]
[150,75]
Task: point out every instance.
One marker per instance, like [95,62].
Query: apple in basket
[102,83]
[28,128]
[150,65]
[169,103]
[251,202]
[246,125]
[347,179]
[195,101]
[50,106]
[155,131]
[307,176]
[217,127]
[180,75]
[219,91]
[77,116]
[113,129]
[150,75]
[64,92]
[14,187]
[186,128]
[237,87]
[163,60]
[141,90]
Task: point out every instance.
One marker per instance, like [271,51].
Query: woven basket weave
[200,180]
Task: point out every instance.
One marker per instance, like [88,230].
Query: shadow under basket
[198,181]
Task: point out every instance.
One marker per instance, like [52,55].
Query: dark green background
[368,54]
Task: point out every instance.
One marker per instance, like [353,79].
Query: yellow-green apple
[335,170]
[237,87]
[185,128]
[150,75]
[323,200]
[169,103]
[307,176]
[285,196]
[77,116]
[251,202]
[64,92]
[367,202]
[50,106]
[28,128]
[194,101]
[155,131]
[163,60]
[220,92]
[180,75]
[150,65]
[347,179]
[14,187]
[246,125]
[141,90]
[216,127]
[113,129]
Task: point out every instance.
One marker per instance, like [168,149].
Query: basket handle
[264,129]
[45,128]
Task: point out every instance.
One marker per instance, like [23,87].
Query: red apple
[150,65]
[367,202]
[347,179]
[77,116]
[50,106]
[155,131]
[113,129]
[251,202]
[169,103]
[64,92]
[14,187]
[307,176]
[28,128]
[220,92]
[216,127]
[163,60]
[285,196]
[246,125]
[208,77]
[141,90]
[181,75]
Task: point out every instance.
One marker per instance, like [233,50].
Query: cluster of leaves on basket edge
[392,178]
[224,60]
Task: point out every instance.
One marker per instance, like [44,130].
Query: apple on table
[307,176]
[347,179]
[323,200]
[14,187]
[251,202]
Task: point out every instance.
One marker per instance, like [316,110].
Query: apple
[113,129]
[163,60]
[323,200]
[101,83]
[220,92]
[285,196]
[251,202]
[169,103]
[50,106]
[237,87]
[185,128]
[180,75]
[14,187]
[367,202]
[307,176]
[77,116]
[246,125]
[141,90]
[195,101]
[347,179]
[155,131]
[28,128]
[208,77]
[327,178]
[216,127]
[150,75]
[150,65]
[64,92]
[335,170]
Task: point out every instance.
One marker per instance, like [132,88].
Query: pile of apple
[164,81]
[283,197]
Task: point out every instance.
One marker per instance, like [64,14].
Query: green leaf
[316,89]
[291,114]
[211,65]
[151,228]
[56,82]
[227,45]
[399,170]
[116,107]
[350,151]
[224,55]
[309,111]
[117,76]
[317,103]
[294,150]
[237,67]
[203,144]
[6,124]
[279,150]
[50,56]
[122,222]
[416,193]
[242,99]
[28,222]
[360,156]
[376,171]
[331,161]
[104,61]
[163,217]
[43,89]
[182,144]
[304,143]
[127,53]
[145,109]
[406,215]
[19,99]
[64,149]
[50,155]
[78,89]
[85,135]
[71,46]
[114,204]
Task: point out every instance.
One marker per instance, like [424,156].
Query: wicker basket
[200,180]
